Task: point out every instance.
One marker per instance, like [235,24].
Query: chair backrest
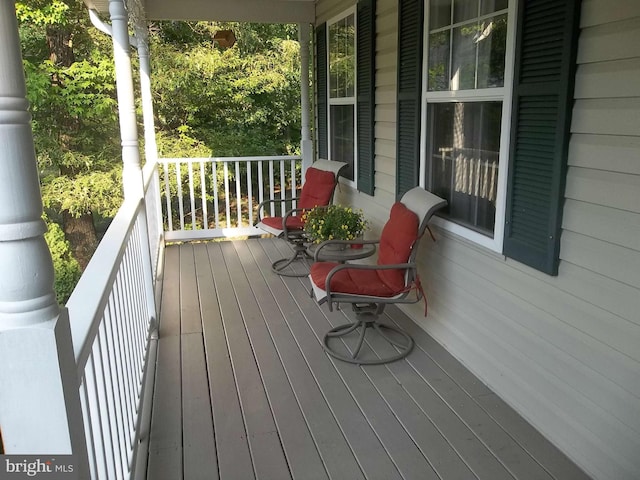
[320,183]
[407,223]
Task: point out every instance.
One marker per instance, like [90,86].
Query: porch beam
[40,411]
[274,11]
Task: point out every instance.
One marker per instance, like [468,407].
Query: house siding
[564,350]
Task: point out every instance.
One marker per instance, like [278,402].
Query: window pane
[463,71]
[342,58]
[439,61]
[464,10]
[490,6]
[342,133]
[491,52]
[463,160]
[439,13]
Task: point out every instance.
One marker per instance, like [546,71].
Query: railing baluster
[283,187]
[226,194]
[88,428]
[203,185]
[214,168]
[192,196]
[272,188]
[238,194]
[260,184]
[293,183]
[180,200]
[96,419]
[249,194]
[116,375]
[103,380]
[167,190]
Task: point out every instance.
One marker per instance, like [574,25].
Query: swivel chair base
[364,322]
[299,253]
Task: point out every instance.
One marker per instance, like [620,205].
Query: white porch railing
[218,197]
[112,316]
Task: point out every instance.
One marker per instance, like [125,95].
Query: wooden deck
[244,389]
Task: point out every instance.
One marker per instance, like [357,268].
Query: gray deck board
[165,442]
[234,458]
[332,446]
[300,451]
[264,440]
[244,389]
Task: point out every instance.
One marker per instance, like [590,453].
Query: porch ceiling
[263,11]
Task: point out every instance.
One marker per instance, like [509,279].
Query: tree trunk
[81,234]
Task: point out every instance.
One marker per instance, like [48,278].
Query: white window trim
[505,94]
[344,100]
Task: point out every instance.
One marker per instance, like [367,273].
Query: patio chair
[320,182]
[369,288]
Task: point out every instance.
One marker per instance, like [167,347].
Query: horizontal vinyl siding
[565,351]
[376,208]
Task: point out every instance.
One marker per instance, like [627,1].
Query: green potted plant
[334,222]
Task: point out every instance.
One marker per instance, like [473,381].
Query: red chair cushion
[317,189]
[398,236]
[293,223]
[351,281]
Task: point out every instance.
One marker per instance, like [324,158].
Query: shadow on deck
[244,389]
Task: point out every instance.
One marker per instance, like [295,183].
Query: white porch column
[142,37]
[131,172]
[40,409]
[306,143]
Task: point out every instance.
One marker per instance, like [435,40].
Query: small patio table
[341,255]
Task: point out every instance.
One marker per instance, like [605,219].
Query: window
[465,111]
[473,85]
[342,85]
[345,99]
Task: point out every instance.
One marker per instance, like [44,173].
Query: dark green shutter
[365,104]
[542,103]
[410,41]
[321,83]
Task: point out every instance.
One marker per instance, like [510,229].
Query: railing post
[39,393]
[306,147]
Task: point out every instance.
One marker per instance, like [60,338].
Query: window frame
[504,94]
[344,100]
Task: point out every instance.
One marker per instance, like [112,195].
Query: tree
[240,101]
[70,85]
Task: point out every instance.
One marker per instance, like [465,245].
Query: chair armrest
[262,204]
[360,266]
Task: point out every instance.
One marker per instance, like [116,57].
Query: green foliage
[67,269]
[91,192]
[334,222]
[240,101]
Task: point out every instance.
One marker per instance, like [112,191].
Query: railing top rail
[91,294]
[229,159]
[147,174]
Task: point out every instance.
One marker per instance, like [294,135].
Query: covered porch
[243,388]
